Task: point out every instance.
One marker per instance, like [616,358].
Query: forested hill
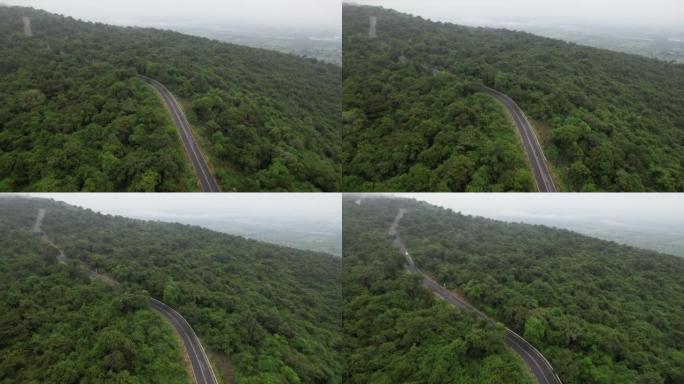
[397,331]
[599,311]
[57,326]
[267,314]
[408,126]
[608,121]
[75,116]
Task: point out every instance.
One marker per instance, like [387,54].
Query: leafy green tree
[534,330]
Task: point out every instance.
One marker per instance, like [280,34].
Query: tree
[535,330]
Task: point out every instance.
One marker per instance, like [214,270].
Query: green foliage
[534,330]
[615,121]
[599,311]
[73,120]
[272,311]
[59,327]
[395,331]
[76,117]
[409,125]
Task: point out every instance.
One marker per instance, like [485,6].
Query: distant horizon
[651,221]
[526,207]
[466,12]
[298,220]
[303,15]
[309,210]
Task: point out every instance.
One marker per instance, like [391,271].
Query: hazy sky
[294,13]
[655,13]
[313,207]
[629,209]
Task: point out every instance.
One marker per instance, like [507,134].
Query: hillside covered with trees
[600,312]
[74,115]
[395,330]
[414,116]
[57,326]
[265,313]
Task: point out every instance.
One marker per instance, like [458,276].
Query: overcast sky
[313,207]
[626,13]
[272,207]
[293,13]
[618,209]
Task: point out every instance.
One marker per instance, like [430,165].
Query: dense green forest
[57,326]
[74,116]
[395,330]
[409,126]
[267,314]
[412,107]
[72,122]
[602,313]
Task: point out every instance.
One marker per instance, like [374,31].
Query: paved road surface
[39,221]
[372,31]
[201,367]
[538,365]
[535,155]
[206,178]
[37,229]
[27,26]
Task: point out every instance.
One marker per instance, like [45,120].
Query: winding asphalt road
[199,362]
[27,26]
[201,368]
[535,155]
[536,362]
[37,229]
[372,30]
[206,178]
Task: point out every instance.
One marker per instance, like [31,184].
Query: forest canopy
[395,330]
[414,116]
[600,312]
[269,314]
[57,326]
[74,115]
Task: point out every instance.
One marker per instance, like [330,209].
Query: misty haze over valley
[304,28]
[633,219]
[303,221]
[654,30]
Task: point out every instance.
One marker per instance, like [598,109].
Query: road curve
[201,367]
[535,155]
[199,362]
[535,361]
[206,178]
